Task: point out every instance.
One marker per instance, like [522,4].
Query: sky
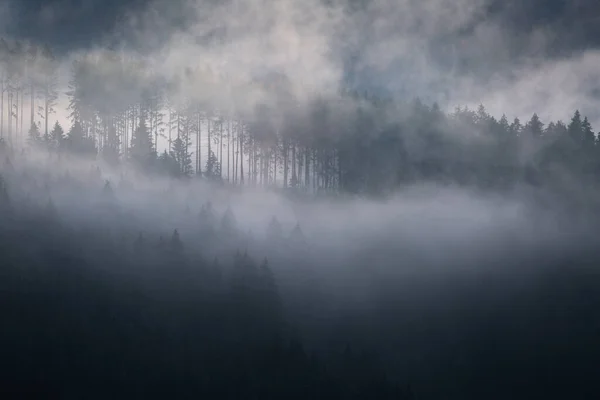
[514,56]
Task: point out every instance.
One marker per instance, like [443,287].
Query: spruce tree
[575,128]
[78,142]
[142,148]
[34,136]
[213,167]
[535,127]
[180,153]
[57,137]
[589,137]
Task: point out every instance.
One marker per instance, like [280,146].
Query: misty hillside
[338,199]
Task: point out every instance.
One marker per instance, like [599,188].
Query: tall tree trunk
[228,147]
[32,100]
[10,105]
[199,144]
[285,163]
[16,115]
[22,111]
[275,167]
[2,108]
[250,149]
[170,130]
[240,152]
[294,175]
[314,170]
[209,133]
[46,112]
[221,151]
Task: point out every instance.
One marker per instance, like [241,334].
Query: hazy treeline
[196,123]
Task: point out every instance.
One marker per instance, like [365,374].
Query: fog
[151,160]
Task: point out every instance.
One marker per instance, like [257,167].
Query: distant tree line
[122,110]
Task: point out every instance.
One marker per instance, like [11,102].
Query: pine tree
[78,142]
[589,137]
[297,237]
[228,222]
[271,302]
[142,148]
[213,168]
[56,138]
[504,126]
[176,244]
[516,127]
[535,127]
[167,165]
[182,156]
[274,231]
[575,128]
[34,136]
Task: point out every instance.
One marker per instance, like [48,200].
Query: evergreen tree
[56,139]
[34,136]
[575,128]
[181,155]
[167,165]
[297,237]
[516,127]
[78,142]
[274,231]
[142,148]
[228,222]
[535,127]
[176,245]
[589,137]
[213,167]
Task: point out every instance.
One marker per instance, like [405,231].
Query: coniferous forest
[174,237]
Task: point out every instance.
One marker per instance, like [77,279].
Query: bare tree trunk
[209,139]
[16,115]
[285,162]
[241,152]
[250,150]
[170,129]
[2,110]
[21,112]
[275,167]
[32,100]
[46,113]
[236,149]
[199,143]
[228,147]
[294,175]
[261,169]
[221,151]
[314,171]
[10,105]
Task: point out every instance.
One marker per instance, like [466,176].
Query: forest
[185,238]
[352,142]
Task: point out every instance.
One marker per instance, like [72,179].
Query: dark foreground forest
[101,300]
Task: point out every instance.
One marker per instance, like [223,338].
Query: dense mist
[282,199]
